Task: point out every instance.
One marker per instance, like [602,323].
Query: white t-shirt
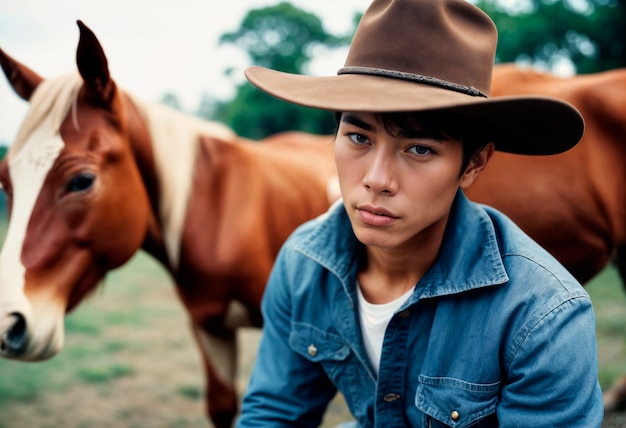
[374,321]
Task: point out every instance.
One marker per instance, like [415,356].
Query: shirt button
[455,415]
[312,350]
[391,397]
[405,313]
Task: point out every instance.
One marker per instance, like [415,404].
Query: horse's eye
[80,182]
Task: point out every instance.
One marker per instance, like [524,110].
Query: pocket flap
[317,345]
[455,402]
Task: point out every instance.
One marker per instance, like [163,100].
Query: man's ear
[476,166]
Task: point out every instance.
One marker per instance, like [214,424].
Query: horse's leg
[615,396]
[219,354]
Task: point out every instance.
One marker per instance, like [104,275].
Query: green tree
[589,33]
[281,37]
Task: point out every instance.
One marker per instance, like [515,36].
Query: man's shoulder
[527,261]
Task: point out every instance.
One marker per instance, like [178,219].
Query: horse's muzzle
[13,340]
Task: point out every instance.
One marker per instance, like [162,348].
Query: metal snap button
[391,397]
[455,415]
[405,313]
[312,350]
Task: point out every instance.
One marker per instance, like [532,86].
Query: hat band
[418,78]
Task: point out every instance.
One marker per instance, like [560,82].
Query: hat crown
[430,55]
[447,40]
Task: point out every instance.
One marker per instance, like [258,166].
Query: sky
[153,46]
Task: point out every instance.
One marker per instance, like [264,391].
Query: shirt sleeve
[552,374]
[285,389]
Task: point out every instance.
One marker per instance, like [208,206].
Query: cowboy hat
[435,55]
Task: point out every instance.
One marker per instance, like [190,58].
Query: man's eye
[420,150]
[358,138]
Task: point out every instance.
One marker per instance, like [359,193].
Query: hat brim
[527,124]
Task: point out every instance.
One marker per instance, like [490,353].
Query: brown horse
[574,203]
[95,174]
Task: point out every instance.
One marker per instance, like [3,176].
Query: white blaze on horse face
[29,163]
[28,170]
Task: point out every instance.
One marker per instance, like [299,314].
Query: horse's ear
[93,67]
[22,79]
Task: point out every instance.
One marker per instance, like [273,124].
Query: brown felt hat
[436,55]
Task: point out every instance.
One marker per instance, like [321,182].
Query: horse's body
[95,174]
[574,203]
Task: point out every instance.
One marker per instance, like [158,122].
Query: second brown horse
[574,203]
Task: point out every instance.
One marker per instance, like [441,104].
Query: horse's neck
[174,139]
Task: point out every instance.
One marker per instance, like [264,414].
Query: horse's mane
[155,112]
[175,138]
[48,107]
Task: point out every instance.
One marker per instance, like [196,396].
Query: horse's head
[77,203]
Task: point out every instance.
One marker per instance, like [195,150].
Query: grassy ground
[609,300]
[129,360]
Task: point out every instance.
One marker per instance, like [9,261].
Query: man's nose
[381,174]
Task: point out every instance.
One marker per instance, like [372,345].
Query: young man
[422,308]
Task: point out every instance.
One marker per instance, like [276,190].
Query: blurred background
[129,359]
[191,54]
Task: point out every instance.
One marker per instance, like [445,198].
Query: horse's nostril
[13,342]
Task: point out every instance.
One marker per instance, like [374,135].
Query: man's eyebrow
[353,120]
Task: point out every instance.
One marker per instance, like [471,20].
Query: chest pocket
[318,346]
[456,403]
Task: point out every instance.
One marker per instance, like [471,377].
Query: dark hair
[441,125]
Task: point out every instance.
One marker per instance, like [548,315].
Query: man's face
[397,189]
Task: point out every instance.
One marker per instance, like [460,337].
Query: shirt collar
[469,258]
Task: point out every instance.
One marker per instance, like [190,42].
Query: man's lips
[375,216]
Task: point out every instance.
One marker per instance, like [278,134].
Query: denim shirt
[496,333]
